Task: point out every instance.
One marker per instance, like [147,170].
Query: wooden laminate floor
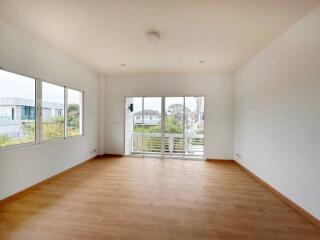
[130,198]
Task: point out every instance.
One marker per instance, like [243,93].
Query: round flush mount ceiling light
[153,36]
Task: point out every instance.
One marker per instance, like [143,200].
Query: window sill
[51,140]
[74,137]
[41,142]
[21,145]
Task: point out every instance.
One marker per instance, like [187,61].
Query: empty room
[162,119]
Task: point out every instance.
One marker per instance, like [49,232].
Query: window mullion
[65,112]
[38,110]
[184,127]
[82,114]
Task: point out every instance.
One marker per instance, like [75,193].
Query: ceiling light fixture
[153,36]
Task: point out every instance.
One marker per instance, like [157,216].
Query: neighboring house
[14,111]
[150,118]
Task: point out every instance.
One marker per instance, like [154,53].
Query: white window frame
[38,113]
[66,111]
[35,139]
[162,117]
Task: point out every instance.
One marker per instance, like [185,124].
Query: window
[174,127]
[52,125]
[17,109]
[28,113]
[12,114]
[74,113]
[21,121]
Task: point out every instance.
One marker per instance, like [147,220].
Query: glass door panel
[194,127]
[135,109]
[173,127]
[167,127]
[52,114]
[152,139]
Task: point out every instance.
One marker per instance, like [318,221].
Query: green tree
[172,125]
[73,116]
[176,111]
[73,119]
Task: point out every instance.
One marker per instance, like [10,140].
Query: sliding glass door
[152,140]
[166,127]
[194,127]
[134,126]
[173,127]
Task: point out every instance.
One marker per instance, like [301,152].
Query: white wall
[277,118]
[217,88]
[24,166]
[129,126]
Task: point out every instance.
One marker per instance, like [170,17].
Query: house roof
[148,112]
[12,101]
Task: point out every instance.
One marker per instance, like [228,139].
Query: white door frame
[162,154]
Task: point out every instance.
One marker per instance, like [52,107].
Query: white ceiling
[105,34]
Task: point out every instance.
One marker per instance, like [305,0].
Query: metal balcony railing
[174,144]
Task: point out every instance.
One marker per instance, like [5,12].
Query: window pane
[74,115]
[17,109]
[134,125]
[194,126]
[174,114]
[52,111]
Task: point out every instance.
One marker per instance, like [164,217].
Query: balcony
[174,145]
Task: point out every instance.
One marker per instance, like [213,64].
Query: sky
[14,85]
